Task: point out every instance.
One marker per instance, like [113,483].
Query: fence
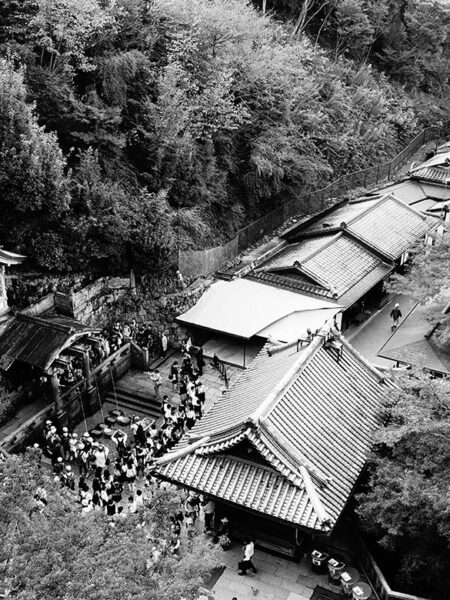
[315,201]
[204,262]
[195,262]
[377,579]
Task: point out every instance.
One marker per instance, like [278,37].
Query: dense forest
[131,128]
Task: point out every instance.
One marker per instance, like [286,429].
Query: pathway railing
[307,203]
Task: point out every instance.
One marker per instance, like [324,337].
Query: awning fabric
[243,308]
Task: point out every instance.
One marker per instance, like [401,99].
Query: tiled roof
[342,214]
[435,174]
[390,227]
[338,264]
[246,484]
[385,224]
[366,283]
[295,253]
[308,414]
[407,191]
[291,282]
[37,340]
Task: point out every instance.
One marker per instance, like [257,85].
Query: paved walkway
[276,579]
[213,383]
[373,334]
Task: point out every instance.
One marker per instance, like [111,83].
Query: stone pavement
[213,383]
[276,579]
[374,333]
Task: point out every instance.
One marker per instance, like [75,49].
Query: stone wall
[159,312]
[90,304]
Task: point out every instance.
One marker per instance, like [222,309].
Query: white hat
[74,434]
[48,422]
[397,305]
[65,429]
[85,502]
[68,468]
[59,459]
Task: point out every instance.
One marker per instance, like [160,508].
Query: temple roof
[10,258]
[37,341]
[385,225]
[309,412]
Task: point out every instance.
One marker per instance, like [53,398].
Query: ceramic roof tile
[312,418]
[342,214]
[341,264]
[390,227]
[292,282]
[338,264]
[295,253]
[247,484]
[435,174]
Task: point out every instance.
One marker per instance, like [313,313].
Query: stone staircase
[132,401]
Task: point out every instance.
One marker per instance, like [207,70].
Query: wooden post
[3,296]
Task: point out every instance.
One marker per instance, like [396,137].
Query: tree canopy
[133,129]
[55,552]
[405,505]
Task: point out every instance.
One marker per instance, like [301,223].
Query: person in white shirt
[246,563]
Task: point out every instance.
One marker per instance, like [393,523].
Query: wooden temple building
[282,451]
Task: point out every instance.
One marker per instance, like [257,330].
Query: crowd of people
[120,333]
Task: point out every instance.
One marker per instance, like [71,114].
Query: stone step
[131,402]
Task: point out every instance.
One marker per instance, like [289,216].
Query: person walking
[246,563]
[396,315]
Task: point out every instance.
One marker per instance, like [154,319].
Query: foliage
[32,176]
[7,406]
[144,127]
[428,282]
[405,505]
[55,552]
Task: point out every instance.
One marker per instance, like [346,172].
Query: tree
[32,168]
[405,506]
[55,552]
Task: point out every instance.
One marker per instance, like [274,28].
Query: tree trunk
[300,23]
[264,5]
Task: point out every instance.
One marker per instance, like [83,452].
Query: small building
[234,319]
[349,250]
[282,451]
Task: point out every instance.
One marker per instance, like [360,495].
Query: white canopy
[245,308]
[295,326]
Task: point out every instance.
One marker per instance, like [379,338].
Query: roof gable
[308,412]
[389,226]
[337,263]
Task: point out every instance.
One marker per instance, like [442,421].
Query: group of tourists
[119,333]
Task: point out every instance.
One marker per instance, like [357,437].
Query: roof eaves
[182,452]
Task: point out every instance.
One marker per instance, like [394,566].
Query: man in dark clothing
[396,315]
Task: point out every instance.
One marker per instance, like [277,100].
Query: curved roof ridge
[276,443]
[276,394]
